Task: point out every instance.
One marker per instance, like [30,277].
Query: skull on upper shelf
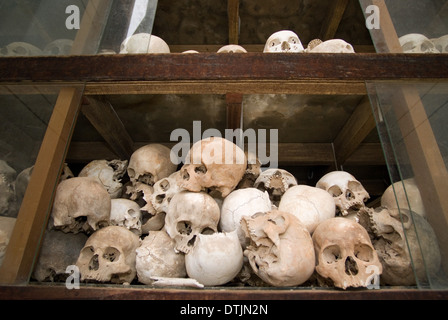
[417,43]
[283,41]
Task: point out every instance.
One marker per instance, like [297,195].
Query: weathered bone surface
[156,257]
[80,204]
[417,43]
[144,43]
[393,232]
[275,182]
[190,214]
[108,173]
[283,41]
[310,205]
[404,195]
[126,213]
[214,164]
[215,259]
[109,255]
[333,46]
[281,249]
[59,250]
[239,203]
[345,254]
[348,193]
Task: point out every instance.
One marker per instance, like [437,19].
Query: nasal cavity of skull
[351,267]
[111,254]
[331,254]
[159,198]
[146,178]
[185,175]
[94,264]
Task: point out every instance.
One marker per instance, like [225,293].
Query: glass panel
[411,121]
[421,26]
[47,27]
[25,114]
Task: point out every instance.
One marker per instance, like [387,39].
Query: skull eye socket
[184,227]
[363,252]
[165,184]
[408,46]
[331,254]
[200,169]
[335,191]
[111,254]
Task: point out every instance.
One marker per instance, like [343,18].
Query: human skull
[215,259]
[215,164]
[252,172]
[281,249]
[232,48]
[441,44]
[275,182]
[345,254]
[7,194]
[109,256]
[406,244]
[283,41]
[80,204]
[417,43]
[58,47]
[404,195]
[348,193]
[144,43]
[156,257]
[58,251]
[164,190]
[190,214]
[16,49]
[309,204]
[6,227]
[239,203]
[333,46]
[126,213]
[147,165]
[108,173]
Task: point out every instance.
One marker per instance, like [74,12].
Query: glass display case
[377,114]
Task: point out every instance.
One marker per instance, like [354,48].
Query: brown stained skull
[109,256]
[345,254]
[275,182]
[213,164]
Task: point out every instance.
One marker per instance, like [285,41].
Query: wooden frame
[233,75]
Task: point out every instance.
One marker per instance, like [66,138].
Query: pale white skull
[232,48]
[283,41]
[126,213]
[310,205]
[190,214]
[333,46]
[58,47]
[281,249]
[215,259]
[401,237]
[80,204]
[417,43]
[348,193]
[108,173]
[7,194]
[156,257]
[147,165]
[239,203]
[109,256]
[16,49]
[213,164]
[404,195]
[345,254]
[275,182]
[6,228]
[58,251]
[144,43]
[441,43]
[164,190]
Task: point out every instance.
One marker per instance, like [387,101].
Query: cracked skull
[348,193]
[109,256]
[213,164]
[190,214]
[345,254]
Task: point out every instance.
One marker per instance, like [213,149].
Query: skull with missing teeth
[190,214]
[348,193]
[213,163]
